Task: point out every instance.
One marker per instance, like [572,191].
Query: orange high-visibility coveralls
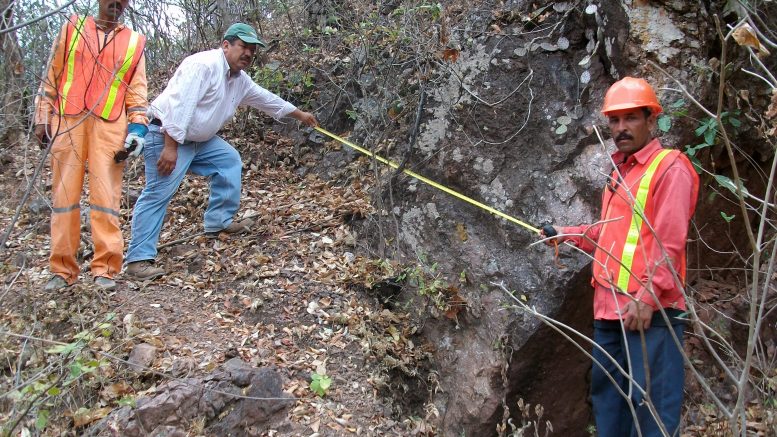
[88,140]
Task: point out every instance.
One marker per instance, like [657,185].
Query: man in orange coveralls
[95,86]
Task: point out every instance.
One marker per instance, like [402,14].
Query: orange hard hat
[631,92]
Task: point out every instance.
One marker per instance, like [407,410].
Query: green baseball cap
[245,32]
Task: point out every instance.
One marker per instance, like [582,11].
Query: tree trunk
[12,87]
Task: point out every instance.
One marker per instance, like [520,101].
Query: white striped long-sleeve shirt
[202,95]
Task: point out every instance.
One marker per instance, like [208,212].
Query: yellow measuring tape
[415,175]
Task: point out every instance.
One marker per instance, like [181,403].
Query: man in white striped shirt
[202,95]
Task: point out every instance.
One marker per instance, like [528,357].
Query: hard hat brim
[655,110]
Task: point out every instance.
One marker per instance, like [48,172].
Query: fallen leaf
[116,390]
[82,416]
[461,232]
[450,55]
[744,35]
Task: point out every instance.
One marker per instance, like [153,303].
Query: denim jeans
[663,367]
[215,159]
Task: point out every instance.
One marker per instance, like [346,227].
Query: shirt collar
[227,72]
[642,155]
[119,26]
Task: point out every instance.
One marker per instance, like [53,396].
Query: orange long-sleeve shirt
[135,103]
[675,194]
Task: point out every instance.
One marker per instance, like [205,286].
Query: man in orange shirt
[92,107]
[638,271]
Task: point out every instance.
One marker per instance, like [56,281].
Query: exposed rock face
[224,394]
[511,124]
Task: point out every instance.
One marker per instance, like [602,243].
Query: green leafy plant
[727,217]
[319,384]
[271,79]
[674,110]
[664,123]
[42,420]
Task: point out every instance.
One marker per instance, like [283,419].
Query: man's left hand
[638,315]
[135,139]
[134,144]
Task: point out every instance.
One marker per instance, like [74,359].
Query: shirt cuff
[138,117]
[287,109]
[174,132]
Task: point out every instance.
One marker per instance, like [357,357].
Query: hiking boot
[234,228]
[143,270]
[105,283]
[56,283]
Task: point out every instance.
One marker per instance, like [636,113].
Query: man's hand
[41,132]
[638,315]
[135,139]
[545,233]
[166,163]
[306,118]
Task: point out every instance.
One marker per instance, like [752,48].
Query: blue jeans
[663,366]
[215,159]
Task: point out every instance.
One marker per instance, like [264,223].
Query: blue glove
[135,139]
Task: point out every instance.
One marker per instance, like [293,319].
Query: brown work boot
[234,228]
[143,271]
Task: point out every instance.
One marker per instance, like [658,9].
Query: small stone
[38,205]
[21,259]
[167,431]
[142,356]
[183,366]
[264,352]
[491,268]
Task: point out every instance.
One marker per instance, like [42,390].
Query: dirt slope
[287,294]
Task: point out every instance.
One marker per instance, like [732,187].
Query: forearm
[170,143]
[583,236]
[297,114]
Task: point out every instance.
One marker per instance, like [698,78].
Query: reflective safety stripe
[66,209]
[106,210]
[142,109]
[635,228]
[119,76]
[71,62]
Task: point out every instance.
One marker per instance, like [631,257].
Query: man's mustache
[115,5]
[245,58]
[624,136]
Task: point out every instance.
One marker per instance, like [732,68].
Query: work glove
[135,139]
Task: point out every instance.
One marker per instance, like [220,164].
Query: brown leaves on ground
[279,295]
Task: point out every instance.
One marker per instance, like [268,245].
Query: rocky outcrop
[246,401]
[510,122]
